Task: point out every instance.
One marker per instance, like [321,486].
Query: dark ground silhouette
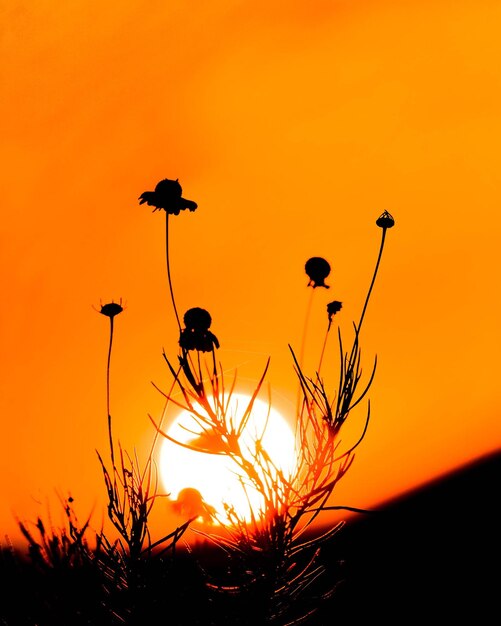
[431,556]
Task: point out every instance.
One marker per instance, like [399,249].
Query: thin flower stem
[305,328]
[168,269]
[367,298]
[323,349]
[380,254]
[303,343]
[108,365]
[155,437]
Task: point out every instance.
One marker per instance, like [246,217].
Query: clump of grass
[68,581]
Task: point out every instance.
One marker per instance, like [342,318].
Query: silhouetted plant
[69,577]
[132,493]
[271,566]
[317,269]
[167,196]
[272,571]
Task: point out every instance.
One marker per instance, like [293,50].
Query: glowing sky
[293,130]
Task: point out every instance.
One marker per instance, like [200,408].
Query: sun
[189,476]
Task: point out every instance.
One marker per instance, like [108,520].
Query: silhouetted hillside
[433,555]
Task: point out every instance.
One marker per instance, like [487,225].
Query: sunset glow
[292,129]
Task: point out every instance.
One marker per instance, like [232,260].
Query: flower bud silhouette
[317,269]
[110,309]
[385,220]
[334,307]
[196,334]
[167,196]
[197,319]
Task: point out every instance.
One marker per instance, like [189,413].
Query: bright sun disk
[216,476]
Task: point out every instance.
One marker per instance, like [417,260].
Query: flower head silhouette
[110,309]
[167,196]
[196,334]
[385,220]
[333,307]
[317,269]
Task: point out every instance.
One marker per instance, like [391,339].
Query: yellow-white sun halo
[215,476]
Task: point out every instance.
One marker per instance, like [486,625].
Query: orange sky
[293,132]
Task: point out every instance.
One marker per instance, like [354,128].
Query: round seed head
[197,319]
[317,269]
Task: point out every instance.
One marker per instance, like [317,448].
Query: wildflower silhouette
[269,565]
[113,574]
[335,414]
[196,335]
[385,220]
[270,575]
[110,310]
[317,269]
[333,307]
[167,196]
